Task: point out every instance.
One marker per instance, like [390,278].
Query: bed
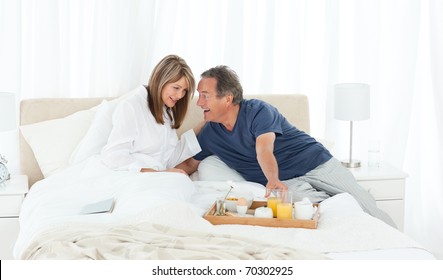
[159,215]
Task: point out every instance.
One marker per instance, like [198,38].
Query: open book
[103,206]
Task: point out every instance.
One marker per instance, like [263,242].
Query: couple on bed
[250,136]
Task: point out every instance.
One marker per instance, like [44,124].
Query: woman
[143,137]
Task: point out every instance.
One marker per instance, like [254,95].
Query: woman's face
[173,92]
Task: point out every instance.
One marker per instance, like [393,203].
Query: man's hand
[275,185]
[189,166]
[268,163]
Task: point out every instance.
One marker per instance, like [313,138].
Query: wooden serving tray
[266,222]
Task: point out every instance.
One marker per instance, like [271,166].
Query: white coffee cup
[304,210]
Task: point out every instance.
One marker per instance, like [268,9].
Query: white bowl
[263,212]
[242,209]
[231,200]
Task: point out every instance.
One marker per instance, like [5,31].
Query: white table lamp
[351,103]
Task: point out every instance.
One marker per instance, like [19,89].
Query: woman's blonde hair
[169,70]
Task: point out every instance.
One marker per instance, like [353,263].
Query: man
[253,138]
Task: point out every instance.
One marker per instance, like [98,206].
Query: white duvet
[173,200]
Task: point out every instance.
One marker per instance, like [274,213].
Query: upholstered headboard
[294,107]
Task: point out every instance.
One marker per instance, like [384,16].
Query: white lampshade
[7,111]
[351,102]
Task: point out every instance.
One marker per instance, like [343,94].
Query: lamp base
[353,163]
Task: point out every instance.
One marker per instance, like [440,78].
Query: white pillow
[99,131]
[213,168]
[97,134]
[54,141]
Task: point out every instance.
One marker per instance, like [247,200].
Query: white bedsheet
[172,199]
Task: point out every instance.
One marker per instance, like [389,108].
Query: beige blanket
[151,241]
[174,231]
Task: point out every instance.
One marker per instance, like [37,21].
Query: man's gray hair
[227,82]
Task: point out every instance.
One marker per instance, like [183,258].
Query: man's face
[214,108]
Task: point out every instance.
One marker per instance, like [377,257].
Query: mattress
[52,216]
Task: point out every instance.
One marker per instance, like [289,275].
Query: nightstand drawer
[10,205]
[384,189]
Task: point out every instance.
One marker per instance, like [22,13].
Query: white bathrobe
[138,141]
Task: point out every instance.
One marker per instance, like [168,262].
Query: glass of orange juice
[272,203]
[284,204]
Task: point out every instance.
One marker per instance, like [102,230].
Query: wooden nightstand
[12,194]
[387,185]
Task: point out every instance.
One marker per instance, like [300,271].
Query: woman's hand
[178,170]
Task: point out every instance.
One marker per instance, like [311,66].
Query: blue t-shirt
[295,151]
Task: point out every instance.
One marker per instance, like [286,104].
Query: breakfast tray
[254,221]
